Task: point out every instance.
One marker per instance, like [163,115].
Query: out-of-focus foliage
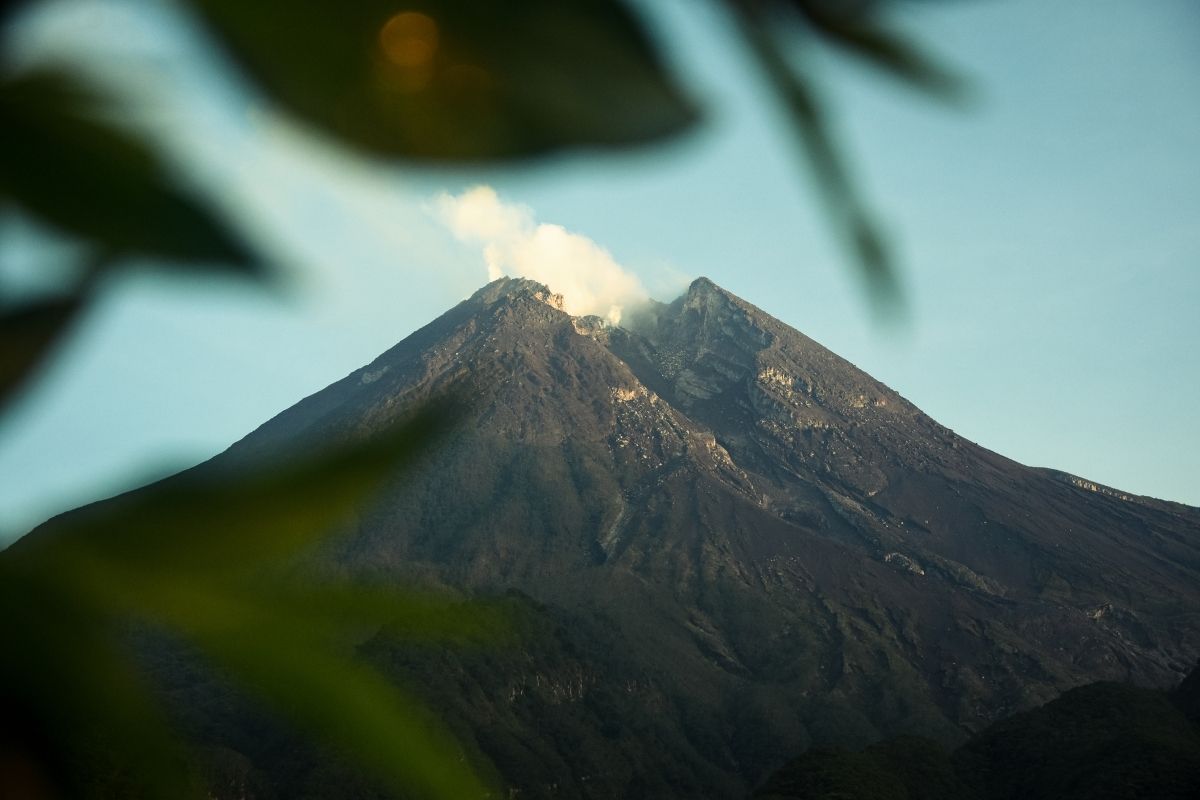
[858,29]
[205,557]
[69,166]
[64,163]
[458,79]
[440,80]
[29,331]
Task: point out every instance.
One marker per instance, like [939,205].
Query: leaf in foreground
[202,520]
[68,165]
[457,79]
[27,334]
[854,28]
[200,558]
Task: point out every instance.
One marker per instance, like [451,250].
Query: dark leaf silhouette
[27,333]
[458,79]
[368,718]
[851,220]
[69,166]
[854,28]
[206,557]
[205,522]
[95,713]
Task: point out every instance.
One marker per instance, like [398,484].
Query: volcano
[734,545]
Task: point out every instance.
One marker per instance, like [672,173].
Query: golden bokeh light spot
[409,40]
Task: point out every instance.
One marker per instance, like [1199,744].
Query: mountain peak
[506,288]
[716,518]
[704,290]
[705,296]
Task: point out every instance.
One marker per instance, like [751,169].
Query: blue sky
[1048,233]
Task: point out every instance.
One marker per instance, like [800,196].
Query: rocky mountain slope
[735,544]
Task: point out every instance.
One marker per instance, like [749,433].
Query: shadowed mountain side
[737,545]
[1103,740]
[759,525]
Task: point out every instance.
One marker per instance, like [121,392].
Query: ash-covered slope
[739,544]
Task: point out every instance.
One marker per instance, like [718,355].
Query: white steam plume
[515,244]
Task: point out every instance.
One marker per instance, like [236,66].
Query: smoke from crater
[517,245]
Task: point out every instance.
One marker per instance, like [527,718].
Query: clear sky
[1050,236]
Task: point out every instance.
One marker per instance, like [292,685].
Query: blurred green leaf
[66,164]
[286,641]
[289,640]
[27,333]
[457,79]
[350,706]
[205,556]
[855,27]
[852,221]
[64,667]
[200,521]
[406,613]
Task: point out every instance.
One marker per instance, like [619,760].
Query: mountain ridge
[734,543]
[713,386]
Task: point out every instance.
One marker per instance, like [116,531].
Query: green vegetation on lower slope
[904,768]
[1103,741]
